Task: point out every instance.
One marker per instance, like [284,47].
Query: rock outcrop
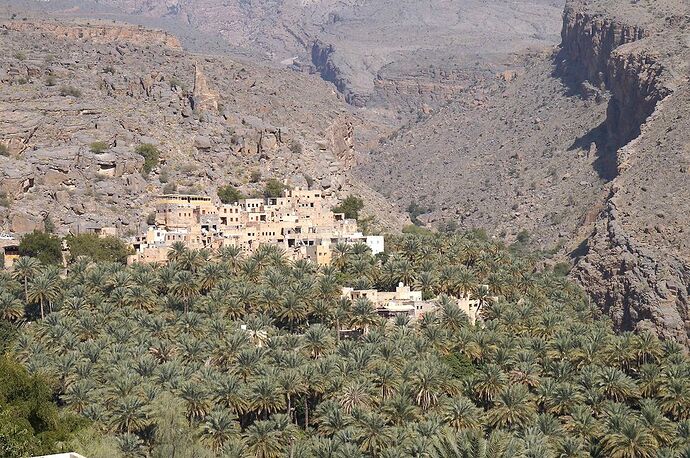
[75,113]
[323,58]
[636,263]
[98,32]
[203,98]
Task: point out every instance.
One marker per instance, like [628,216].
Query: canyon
[581,141]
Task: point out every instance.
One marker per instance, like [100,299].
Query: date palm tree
[363,315]
[25,269]
[196,400]
[632,440]
[11,308]
[263,440]
[43,289]
[185,287]
[128,414]
[219,428]
[514,408]
[266,397]
[372,433]
[462,414]
[317,340]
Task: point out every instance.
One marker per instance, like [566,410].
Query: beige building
[405,301]
[402,301]
[301,222]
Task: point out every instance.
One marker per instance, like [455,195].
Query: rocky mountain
[636,262]
[400,55]
[587,149]
[464,113]
[78,100]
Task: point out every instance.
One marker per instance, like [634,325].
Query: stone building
[300,221]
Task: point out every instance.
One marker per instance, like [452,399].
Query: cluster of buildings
[300,221]
[406,302]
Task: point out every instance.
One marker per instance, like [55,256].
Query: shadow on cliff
[605,161]
[576,84]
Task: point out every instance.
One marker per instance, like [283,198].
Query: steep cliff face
[588,39]
[605,52]
[100,33]
[635,79]
[323,58]
[636,264]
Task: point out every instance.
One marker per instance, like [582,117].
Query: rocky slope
[403,55]
[637,262]
[77,99]
[587,148]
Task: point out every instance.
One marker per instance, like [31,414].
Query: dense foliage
[239,356]
[100,249]
[30,423]
[229,194]
[43,246]
[274,188]
[350,206]
[151,157]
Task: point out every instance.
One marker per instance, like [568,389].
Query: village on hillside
[301,223]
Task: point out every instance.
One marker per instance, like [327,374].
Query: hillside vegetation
[239,356]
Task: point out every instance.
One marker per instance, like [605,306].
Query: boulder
[202,142]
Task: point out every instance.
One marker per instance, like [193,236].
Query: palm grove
[240,356]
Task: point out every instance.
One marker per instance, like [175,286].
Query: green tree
[229,194]
[30,423]
[151,157]
[44,289]
[45,247]
[350,206]
[24,269]
[274,188]
[100,249]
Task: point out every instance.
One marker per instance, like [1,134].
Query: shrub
[109,69]
[70,91]
[350,207]
[4,150]
[523,237]
[99,147]
[449,227]
[175,83]
[460,366]
[170,188]
[101,249]
[20,55]
[415,209]
[30,422]
[561,269]
[255,176]
[48,224]
[50,81]
[151,219]
[274,188]
[416,230]
[164,175]
[43,246]
[229,194]
[296,147]
[151,156]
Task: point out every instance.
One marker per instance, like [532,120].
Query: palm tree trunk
[306,411]
[26,289]
[289,407]
[42,313]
